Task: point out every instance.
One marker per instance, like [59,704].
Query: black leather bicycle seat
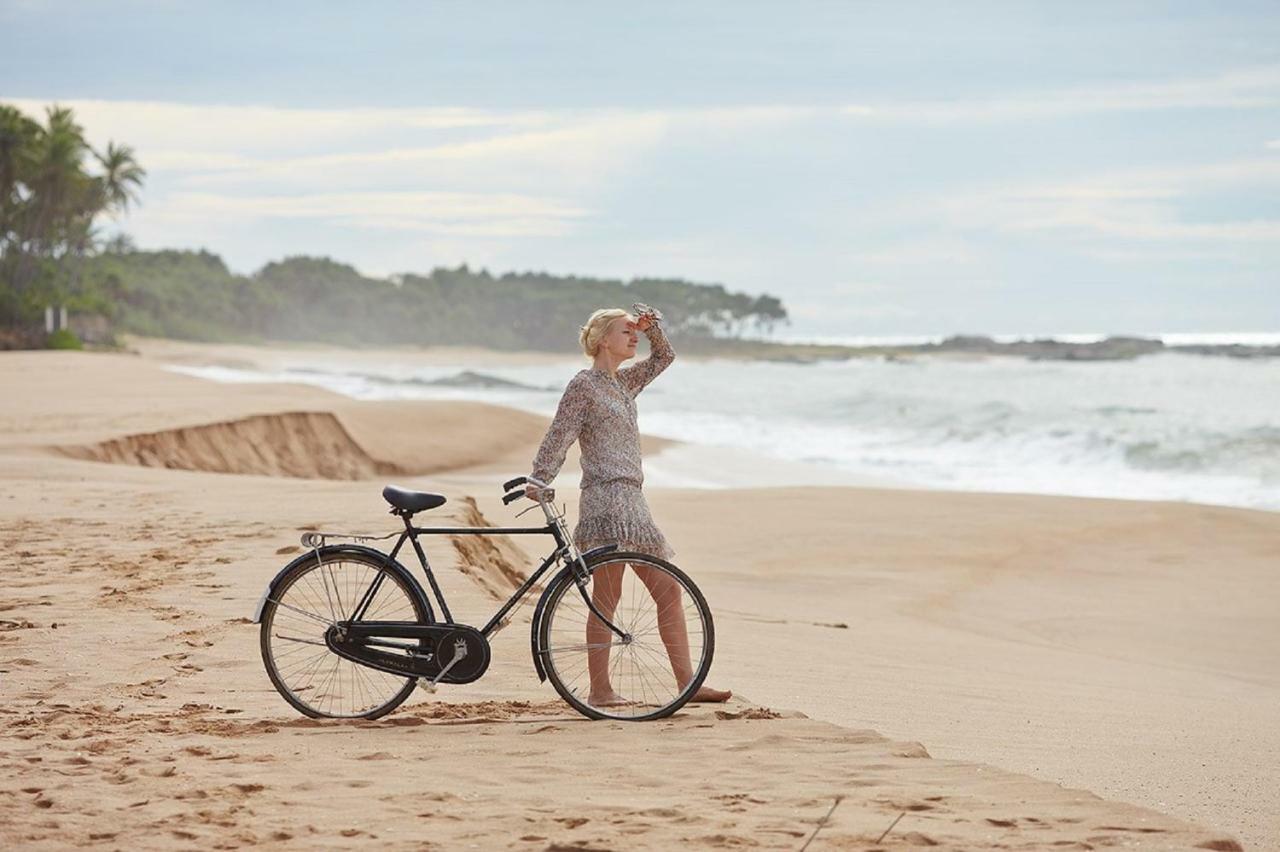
[412,501]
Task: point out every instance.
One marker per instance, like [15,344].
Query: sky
[884,168]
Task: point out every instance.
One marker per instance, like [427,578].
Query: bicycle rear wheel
[655,667]
[311,597]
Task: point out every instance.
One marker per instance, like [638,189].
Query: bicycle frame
[554,528]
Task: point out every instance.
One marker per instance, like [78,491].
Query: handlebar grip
[519,480]
[512,497]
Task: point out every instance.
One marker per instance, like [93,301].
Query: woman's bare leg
[606,588]
[673,630]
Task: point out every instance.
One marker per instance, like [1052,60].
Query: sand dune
[306,444]
[137,713]
[491,561]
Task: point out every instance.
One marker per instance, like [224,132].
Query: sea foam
[1165,427]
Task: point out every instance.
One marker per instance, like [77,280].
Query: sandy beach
[910,668]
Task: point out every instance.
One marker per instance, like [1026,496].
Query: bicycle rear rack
[316,539]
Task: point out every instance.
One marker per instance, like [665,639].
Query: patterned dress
[598,410]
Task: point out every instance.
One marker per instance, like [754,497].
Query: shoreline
[956,346]
[1091,463]
[936,592]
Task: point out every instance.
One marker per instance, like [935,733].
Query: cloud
[454,173]
[258,150]
[455,183]
[1143,205]
[1253,88]
[164,125]
[575,152]
[454,214]
[928,251]
[1145,255]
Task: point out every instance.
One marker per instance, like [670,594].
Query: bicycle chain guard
[461,649]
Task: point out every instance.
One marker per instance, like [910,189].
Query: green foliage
[49,202]
[192,295]
[64,338]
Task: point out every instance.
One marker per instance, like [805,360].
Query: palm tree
[121,178]
[49,200]
[59,188]
[49,204]
[17,138]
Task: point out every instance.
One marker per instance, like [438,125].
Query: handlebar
[546,494]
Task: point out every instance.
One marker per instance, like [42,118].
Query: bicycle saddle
[412,501]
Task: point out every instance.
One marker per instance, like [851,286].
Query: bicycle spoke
[667,629]
[297,639]
[311,676]
[304,613]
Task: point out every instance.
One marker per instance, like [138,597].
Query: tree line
[193,295]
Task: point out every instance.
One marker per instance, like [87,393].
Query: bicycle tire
[326,661]
[643,678]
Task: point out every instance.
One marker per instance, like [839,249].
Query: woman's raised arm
[637,376]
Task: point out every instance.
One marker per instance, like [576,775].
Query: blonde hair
[595,328]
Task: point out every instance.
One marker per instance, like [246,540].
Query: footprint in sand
[404,722]
[749,713]
[915,838]
[918,806]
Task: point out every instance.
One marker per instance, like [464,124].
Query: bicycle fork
[581,574]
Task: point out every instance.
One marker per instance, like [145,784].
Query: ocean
[1162,427]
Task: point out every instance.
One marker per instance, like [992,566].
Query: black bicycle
[348,632]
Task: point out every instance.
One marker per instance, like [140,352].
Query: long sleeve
[564,429]
[636,377]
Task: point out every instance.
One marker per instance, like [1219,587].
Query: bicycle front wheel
[320,592]
[659,661]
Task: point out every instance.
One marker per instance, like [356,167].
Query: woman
[598,410]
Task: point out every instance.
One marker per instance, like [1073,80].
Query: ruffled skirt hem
[637,537]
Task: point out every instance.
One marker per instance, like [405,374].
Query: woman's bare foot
[612,699]
[707,695]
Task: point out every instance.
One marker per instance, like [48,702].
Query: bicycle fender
[591,555]
[391,565]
